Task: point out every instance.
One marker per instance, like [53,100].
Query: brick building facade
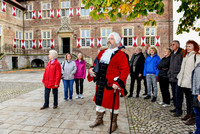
[64,25]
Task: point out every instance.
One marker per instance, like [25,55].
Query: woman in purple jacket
[80,75]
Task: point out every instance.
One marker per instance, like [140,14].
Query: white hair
[139,48]
[53,53]
[117,38]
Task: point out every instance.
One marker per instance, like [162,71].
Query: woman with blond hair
[80,75]
[51,79]
[151,72]
[68,71]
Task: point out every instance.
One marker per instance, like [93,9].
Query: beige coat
[188,65]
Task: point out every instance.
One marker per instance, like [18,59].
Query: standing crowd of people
[178,68]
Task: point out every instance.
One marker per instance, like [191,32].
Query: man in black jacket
[174,69]
[136,70]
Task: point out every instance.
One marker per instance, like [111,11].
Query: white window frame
[128,36]
[150,38]
[18,37]
[1,29]
[28,39]
[105,37]
[84,11]
[46,39]
[46,10]
[65,8]
[86,38]
[1,6]
[29,12]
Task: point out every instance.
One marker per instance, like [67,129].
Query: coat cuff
[121,85]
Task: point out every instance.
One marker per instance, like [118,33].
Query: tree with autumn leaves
[133,9]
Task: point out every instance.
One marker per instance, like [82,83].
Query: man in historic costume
[110,71]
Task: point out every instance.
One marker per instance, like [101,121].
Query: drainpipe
[169,22]
[23,31]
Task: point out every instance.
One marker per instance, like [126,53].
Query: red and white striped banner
[71,12]
[15,43]
[39,14]
[33,44]
[52,13]
[33,15]
[143,41]
[13,11]
[3,6]
[157,40]
[58,12]
[135,41]
[91,42]
[52,43]
[99,42]
[39,43]
[23,44]
[122,40]
[78,42]
[78,11]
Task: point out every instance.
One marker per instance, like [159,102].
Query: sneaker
[77,96]
[65,99]
[144,94]
[130,96]
[177,114]
[166,105]
[147,97]
[161,103]
[81,96]
[70,99]
[154,99]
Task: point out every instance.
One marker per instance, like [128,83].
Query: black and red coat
[116,72]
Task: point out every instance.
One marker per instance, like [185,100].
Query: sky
[183,38]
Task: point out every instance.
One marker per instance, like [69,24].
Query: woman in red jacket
[51,79]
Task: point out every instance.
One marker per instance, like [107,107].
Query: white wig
[53,53]
[117,37]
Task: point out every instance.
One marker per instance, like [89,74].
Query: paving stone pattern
[21,115]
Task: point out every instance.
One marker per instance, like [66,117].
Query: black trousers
[79,83]
[164,87]
[133,78]
[189,99]
[145,84]
[55,96]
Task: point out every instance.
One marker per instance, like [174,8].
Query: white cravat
[107,55]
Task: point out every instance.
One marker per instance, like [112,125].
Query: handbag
[196,103]
[63,70]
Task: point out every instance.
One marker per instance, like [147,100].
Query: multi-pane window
[65,8]
[128,36]
[46,10]
[28,39]
[104,34]
[84,11]
[29,11]
[18,13]
[18,37]
[150,35]
[85,37]
[46,39]
[0,5]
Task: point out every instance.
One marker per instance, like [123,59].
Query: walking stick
[112,111]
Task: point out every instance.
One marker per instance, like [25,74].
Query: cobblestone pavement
[146,117]
[21,115]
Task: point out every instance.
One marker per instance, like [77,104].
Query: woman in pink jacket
[80,75]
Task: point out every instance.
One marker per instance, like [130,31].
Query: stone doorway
[66,45]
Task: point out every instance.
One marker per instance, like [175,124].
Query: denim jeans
[68,84]
[55,96]
[197,116]
[174,91]
[151,80]
[179,100]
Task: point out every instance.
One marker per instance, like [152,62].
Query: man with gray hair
[174,69]
[110,73]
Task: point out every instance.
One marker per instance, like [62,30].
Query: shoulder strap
[194,58]
[63,67]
